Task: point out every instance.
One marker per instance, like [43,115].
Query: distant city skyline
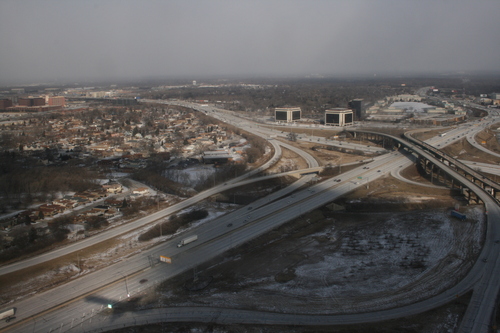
[43,41]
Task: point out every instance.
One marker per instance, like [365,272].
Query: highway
[478,315]
[272,130]
[87,283]
[114,232]
[87,310]
[90,314]
[481,278]
[246,224]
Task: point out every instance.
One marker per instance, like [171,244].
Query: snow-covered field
[387,260]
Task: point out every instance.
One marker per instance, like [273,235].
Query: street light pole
[126,285]
[78,258]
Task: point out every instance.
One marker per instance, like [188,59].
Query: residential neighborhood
[108,143]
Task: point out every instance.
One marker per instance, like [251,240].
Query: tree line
[24,181]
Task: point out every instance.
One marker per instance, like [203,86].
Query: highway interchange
[79,305]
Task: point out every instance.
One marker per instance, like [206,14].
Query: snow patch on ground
[404,258]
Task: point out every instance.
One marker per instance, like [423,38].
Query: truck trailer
[7,314]
[458,215]
[187,240]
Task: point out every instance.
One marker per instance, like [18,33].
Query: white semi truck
[187,240]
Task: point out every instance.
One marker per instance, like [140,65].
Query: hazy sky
[111,39]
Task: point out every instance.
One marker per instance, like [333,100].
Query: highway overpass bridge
[472,175]
[435,171]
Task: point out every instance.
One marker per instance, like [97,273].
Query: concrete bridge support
[471,197]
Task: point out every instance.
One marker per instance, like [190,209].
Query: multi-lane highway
[90,313]
[114,232]
[214,238]
[89,295]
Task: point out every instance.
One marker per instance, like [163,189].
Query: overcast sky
[111,39]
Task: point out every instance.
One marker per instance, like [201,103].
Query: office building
[56,101]
[357,106]
[339,117]
[5,103]
[31,101]
[287,115]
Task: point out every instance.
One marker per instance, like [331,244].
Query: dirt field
[289,161]
[325,156]
[463,150]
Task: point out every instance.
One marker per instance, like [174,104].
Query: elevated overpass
[474,176]
[435,170]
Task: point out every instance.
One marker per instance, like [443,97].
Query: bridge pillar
[452,182]
[447,180]
[471,197]
[440,177]
[467,194]
[432,173]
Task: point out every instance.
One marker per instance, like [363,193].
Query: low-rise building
[141,191]
[113,187]
[287,115]
[339,117]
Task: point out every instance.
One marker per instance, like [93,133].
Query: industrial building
[287,115]
[339,117]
